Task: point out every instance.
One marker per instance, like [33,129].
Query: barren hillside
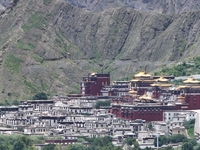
[158,6]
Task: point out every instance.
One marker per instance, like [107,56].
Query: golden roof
[181,97]
[147,80]
[92,74]
[161,85]
[191,80]
[162,79]
[194,87]
[145,96]
[142,74]
[135,80]
[142,80]
[183,86]
[132,92]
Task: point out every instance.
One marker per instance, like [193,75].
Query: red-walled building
[190,94]
[144,112]
[92,84]
[141,83]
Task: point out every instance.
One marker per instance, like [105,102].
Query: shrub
[40,96]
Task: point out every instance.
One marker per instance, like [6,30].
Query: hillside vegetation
[182,69]
[47,46]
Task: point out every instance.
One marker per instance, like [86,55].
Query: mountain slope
[49,45]
[158,6]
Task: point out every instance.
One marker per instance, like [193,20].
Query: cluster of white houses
[77,117]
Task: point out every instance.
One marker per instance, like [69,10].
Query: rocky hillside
[48,45]
[158,6]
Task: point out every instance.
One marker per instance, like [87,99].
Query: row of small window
[39,130]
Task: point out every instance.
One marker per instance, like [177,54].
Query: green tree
[49,147]
[177,138]
[187,146]
[100,143]
[198,147]
[27,141]
[150,126]
[59,147]
[32,148]
[18,142]
[77,147]
[189,125]
[117,148]
[4,146]
[15,102]
[132,141]
[6,103]
[193,141]
[136,145]
[23,142]
[102,103]
[40,96]
[129,141]
[109,146]
[168,148]
[107,139]
[19,145]
[162,140]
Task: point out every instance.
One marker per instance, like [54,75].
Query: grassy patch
[98,55]
[37,58]
[44,86]
[24,46]
[31,87]
[114,32]
[59,36]
[191,47]
[181,46]
[3,41]
[60,42]
[191,132]
[109,69]
[13,63]
[34,21]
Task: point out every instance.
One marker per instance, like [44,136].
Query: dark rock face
[50,46]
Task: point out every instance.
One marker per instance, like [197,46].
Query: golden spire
[162,79]
[142,74]
[191,80]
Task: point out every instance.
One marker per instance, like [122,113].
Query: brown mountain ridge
[49,45]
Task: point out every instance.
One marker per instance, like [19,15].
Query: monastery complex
[133,105]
